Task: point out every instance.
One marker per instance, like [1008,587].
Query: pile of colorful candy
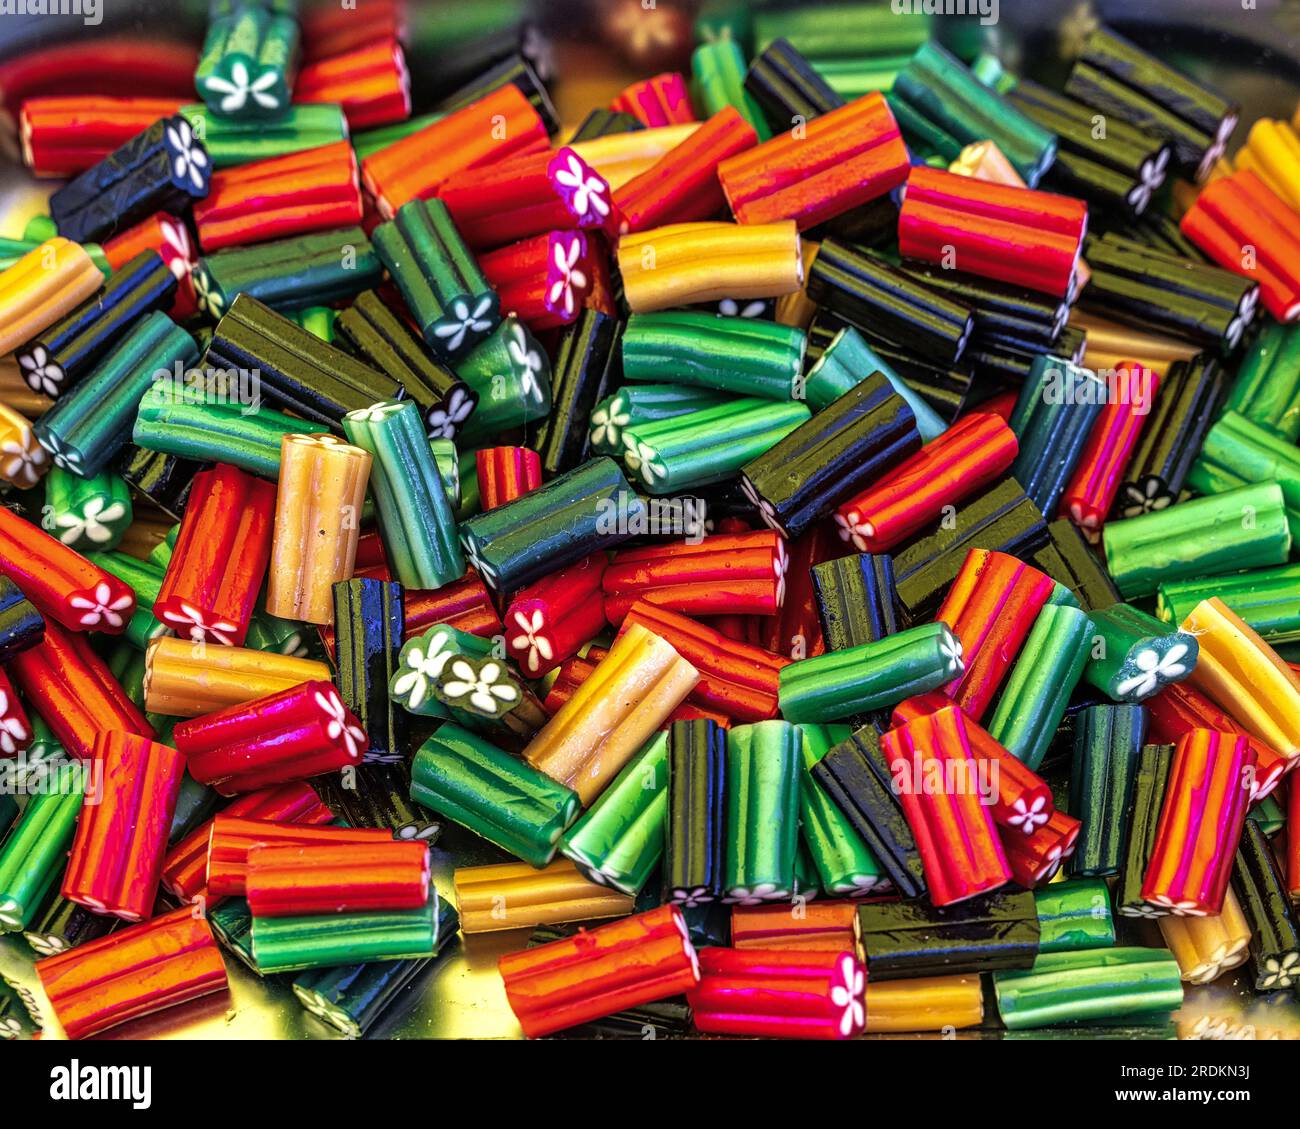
[832,474]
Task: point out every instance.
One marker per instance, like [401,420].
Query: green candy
[34,855]
[707,446]
[718,81]
[290,944]
[1240,529]
[1107,743]
[416,520]
[244,435]
[420,664]
[852,78]
[1237,452]
[231,142]
[91,422]
[462,777]
[467,477]
[1269,815]
[288,274]
[318,321]
[733,354]
[1040,684]
[937,87]
[1134,655]
[511,374]
[232,925]
[643,403]
[619,840]
[871,676]
[247,61]
[845,30]
[845,363]
[1089,984]
[445,455]
[1268,600]
[1267,388]
[446,292]
[86,513]
[1074,915]
[844,863]
[762,793]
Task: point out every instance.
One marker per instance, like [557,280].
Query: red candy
[544,279]
[369,81]
[355,878]
[553,619]
[662,100]
[506,473]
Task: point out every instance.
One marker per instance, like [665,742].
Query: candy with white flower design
[292,735]
[42,287]
[91,423]
[761,793]
[464,778]
[1207,947]
[553,619]
[245,69]
[510,374]
[161,169]
[620,839]
[55,359]
[643,403]
[315,269]
[482,688]
[61,925]
[831,457]
[544,280]
[783,994]
[1134,655]
[22,458]
[87,513]
[515,895]
[696,812]
[445,288]
[63,584]
[220,558]
[1262,894]
[378,796]
[385,341]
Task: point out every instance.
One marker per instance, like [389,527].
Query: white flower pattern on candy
[488,689]
[339,726]
[46,944]
[40,373]
[239,87]
[92,523]
[607,423]
[537,645]
[64,458]
[443,422]
[199,629]
[950,647]
[188,160]
[10,1028]
[680,922]
[566,278]
[1029,816]
[781,566]
[100,605]
[22,462]
[206,294]
[587,190]
[425,665]
[695,896]
[452,330]
[850,995]
[528,360]
[1145,497]
[376,413]
[730,308]
[1151,177]
[1281,973]
[485,570]
[1243,317]
[1153,672]
[850,529]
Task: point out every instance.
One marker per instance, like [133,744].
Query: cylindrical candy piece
[1133,657]
[1200,823]
[117,856]
[324,879]
[633,961]
[34,853]
[182,679]
[318,506]
[133,972]
[292,735]
[1107,742]
[781,994]
[762,798]
[695,829]
[633,690]
[508,802]
[514,895]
